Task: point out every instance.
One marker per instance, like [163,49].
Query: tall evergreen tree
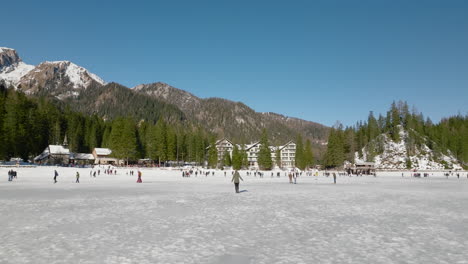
[236,158]
[300,160]
[264,154]
[213,154]
[123,140]
[308,155]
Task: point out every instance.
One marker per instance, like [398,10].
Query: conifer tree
[244,157]
[308,154]
[213,154]
[236,158]
[264,154]
[227,159]
[300,161]
[278,158]
[123,139]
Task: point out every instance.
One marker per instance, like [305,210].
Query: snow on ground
[170,219]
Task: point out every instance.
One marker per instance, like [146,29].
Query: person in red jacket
[139,177]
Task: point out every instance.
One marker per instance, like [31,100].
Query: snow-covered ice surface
[170,219]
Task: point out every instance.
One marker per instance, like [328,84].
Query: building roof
[81,156]
[285,145]
[58,149]
[224,139]
[52,149]
[102,151]
[249,146]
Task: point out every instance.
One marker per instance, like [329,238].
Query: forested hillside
[28,125]
[448,137]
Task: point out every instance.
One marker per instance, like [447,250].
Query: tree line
[29,125]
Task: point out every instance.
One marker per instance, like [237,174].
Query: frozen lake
[170,219]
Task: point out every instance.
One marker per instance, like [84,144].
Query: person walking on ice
[235,179]
[55,176]
[334,178]
[77,177]
[139,177]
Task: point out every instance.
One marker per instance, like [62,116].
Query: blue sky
[318,60]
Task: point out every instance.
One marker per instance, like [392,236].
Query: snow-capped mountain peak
[12,68]
[61,79]
[78,76]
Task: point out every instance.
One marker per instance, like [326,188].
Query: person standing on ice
[290,177]
[235,179]
[139,177]
[334,178]
[55,176]
[77,177]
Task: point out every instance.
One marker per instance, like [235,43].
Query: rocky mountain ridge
[61,79]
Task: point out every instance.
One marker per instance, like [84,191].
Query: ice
[170,219]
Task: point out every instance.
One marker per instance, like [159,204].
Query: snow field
[170,219]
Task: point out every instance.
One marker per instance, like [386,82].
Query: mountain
[403,154]
[60,79]
[12,68]
[114,100]
[74,86]
[234,120]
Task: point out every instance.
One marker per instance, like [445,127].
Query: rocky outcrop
[8,57]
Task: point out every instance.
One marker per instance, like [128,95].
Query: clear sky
[318,60]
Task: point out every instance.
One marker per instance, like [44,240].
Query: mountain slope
[114,100]
[235,120]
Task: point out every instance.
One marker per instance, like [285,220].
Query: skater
[290,177]
[235,179]
[77,177]
[295,175]
[334,178]
[55,176]
[10,175]
[139,177]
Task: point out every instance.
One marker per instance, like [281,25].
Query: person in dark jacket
[77,177]
[55,176]
[235,179]
[334,178]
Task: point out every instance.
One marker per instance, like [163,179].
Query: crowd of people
[293,175]
[12,175]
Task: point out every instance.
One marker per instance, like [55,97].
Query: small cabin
[82,158]
[102,156]
[366,168]
[54,154]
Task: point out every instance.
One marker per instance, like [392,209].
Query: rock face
[61,79]
[8,57]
